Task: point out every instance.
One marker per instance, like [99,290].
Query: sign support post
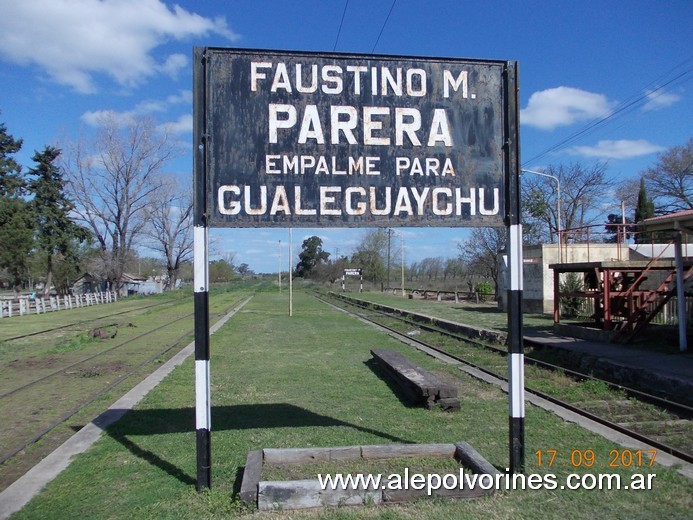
[516,375]
[203,412]
[299,139]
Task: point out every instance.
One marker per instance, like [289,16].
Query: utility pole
[403,266]
[389,235]
[280,267]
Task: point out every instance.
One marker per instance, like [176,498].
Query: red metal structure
[624,295]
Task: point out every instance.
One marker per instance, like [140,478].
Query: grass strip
[304,381]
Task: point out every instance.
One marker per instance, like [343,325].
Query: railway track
[661,423]
[53,401]
[82,322]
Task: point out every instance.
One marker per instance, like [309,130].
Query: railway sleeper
[419,385]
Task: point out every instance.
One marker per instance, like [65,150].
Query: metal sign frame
[298,139]
[352,271]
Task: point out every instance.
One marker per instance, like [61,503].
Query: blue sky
[62,63]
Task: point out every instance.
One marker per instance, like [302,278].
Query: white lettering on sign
[321,165]
[334,79]
[364,165]
[342,120]
[358,201]
[345,139]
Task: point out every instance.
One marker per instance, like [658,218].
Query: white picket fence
[24,305]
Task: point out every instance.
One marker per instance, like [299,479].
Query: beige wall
[538,278]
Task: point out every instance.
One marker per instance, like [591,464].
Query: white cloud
[174,64]
[147,107]
[98,117]
[619,149]
[563,106]
[183,125]
[657,99]
[74,40]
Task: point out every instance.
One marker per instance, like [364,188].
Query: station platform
[667,375]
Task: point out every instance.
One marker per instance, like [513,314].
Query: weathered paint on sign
[309,140]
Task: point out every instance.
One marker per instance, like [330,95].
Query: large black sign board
[296,139]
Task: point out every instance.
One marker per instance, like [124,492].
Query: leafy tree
[310,257]
[484,289]
[371,255]
[644,209]
[67,268]
[221,271]
[670,180]
[614,226]
[56,233]
[16,230]
[11,182]
[571,306]
[330,271]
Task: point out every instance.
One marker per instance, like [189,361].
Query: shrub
[571,305]
[485,290]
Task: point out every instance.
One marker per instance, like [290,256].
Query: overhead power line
[341,23]
[384,24]
[625,107]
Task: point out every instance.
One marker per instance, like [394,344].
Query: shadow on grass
[405,398]
[224,418]
[482,309]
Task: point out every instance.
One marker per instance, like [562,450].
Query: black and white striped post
[202,376]
[203,413]
[516,361]
[516,356]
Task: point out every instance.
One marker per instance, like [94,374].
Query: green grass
[31,410]
[306,381]
[482,315]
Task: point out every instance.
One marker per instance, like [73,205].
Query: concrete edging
[308,493]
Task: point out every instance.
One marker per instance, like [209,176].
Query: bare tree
[111,180]
[583,190]
[431,267]
[454,268]
[169,217]
[670,180]
[480,252]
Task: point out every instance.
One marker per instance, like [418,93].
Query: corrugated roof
[681,220]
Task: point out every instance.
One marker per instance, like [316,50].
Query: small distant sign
[352,272]
[295,139]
